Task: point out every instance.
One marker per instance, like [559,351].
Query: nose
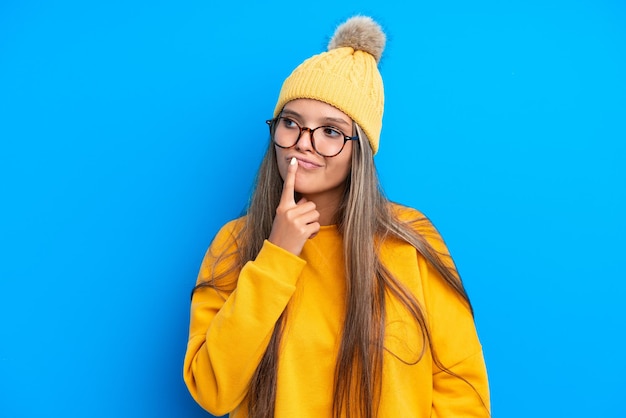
[305,143]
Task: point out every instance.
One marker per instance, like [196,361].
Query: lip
[304,163]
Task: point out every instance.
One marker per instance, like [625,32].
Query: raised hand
[294,222]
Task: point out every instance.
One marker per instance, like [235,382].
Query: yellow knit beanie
[346,76]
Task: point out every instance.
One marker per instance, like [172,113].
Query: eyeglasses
[327,141]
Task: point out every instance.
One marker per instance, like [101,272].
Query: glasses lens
[328,141]
[286,132]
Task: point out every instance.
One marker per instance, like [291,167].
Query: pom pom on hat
[360,33]
[346,76]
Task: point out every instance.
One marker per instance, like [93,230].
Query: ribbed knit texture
[344,78]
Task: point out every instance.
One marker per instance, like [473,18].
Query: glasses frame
[272,124]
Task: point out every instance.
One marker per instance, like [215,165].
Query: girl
[326,299]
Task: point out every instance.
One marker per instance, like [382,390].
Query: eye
[332,133]
[288,123]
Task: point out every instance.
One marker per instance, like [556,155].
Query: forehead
[315,110]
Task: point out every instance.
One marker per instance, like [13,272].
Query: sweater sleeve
[229,330]
[463,391]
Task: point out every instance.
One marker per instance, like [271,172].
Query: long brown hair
[365,216]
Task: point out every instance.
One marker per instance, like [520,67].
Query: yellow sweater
[229,332]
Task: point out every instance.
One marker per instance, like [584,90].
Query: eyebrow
[326,119]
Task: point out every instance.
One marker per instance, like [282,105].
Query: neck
[327,205]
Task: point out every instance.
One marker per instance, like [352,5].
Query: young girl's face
[317,175]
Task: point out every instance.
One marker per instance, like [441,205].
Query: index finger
[290,182]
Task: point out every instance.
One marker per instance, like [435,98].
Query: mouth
[304,163]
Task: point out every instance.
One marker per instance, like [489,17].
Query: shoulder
[223,253]
[405,213]
[229,233]
[234,225]
[419,223]
[412,217]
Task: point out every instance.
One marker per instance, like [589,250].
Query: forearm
[228,339]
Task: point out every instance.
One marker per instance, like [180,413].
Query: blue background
[131,130]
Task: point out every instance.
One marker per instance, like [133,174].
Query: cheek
[346,170]
[340,171]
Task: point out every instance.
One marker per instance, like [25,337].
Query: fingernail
[293,161]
